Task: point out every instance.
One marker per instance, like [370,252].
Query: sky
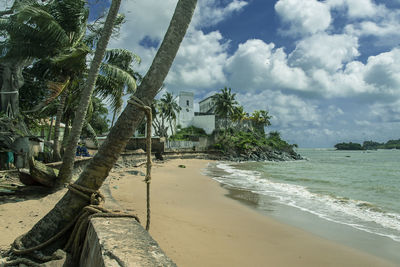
[327,71]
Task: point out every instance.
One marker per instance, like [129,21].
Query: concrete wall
[157,144]
[207,122]
[120,242]
[181,144]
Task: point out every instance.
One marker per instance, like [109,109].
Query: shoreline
[196,224]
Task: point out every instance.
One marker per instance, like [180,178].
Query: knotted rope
[138,103]
[75,241]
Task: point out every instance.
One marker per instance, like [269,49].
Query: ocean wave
[358,214]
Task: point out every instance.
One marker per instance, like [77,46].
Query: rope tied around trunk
[95,209]
[147,110]
[81,222]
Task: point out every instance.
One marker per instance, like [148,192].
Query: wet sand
[197,225]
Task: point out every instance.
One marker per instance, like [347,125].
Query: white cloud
[257,65]
[200,62]
[357,9]
[304,16]
[383,71]
[325,51]
[208,12]
[287,110]
[201,57]
[386,112]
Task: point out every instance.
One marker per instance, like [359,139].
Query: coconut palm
[170,109]
[225,104]
[261,118]
[41,31]
[239,114]
[98,168]
[53,34]
[69,155]
[117,78]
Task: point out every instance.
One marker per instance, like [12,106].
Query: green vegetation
[243,135]
[391,144]
[165,113]
[349,146]
[188,134]
[247,142]
[369,145]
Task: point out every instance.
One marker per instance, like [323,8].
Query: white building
[187,117]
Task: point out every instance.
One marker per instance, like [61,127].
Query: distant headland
[369,145]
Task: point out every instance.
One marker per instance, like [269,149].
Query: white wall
[207,122]
[185,101]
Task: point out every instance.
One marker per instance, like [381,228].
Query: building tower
[186,115]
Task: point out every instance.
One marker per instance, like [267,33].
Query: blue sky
[327,71]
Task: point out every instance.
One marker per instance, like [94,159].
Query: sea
[351,197]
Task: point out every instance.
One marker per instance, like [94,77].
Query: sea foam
[358,214]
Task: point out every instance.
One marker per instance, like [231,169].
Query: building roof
[206,98]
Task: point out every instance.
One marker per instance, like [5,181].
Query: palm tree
[51,33]
[117,78]
[41,31]
[159,118]
[69,155]
[239,114]
[225,104]
[170,109]
[261,119]
[98,168]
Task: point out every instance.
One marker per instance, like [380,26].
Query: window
[187,102]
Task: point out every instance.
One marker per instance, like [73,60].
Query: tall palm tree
[117,78]
[98,168]
[170,109]
[225,104]
[69,155]
[239,114]
[261,118]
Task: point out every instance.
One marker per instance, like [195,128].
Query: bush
[188,134]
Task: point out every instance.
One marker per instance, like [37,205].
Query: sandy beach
[196,224]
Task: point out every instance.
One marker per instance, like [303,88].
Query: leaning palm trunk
[99,167]
[69,154]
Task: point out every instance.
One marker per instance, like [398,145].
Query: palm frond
[40,23]
[111,91]
[121,57]
[71,14]
[92,133]
[72,59]
[119,75]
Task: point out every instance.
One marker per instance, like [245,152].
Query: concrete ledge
[120,242]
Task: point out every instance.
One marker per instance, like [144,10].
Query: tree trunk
[13,80]
[113,118]
[99,167]
[60,111]
[50,128]
[66,132]
[69,154]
